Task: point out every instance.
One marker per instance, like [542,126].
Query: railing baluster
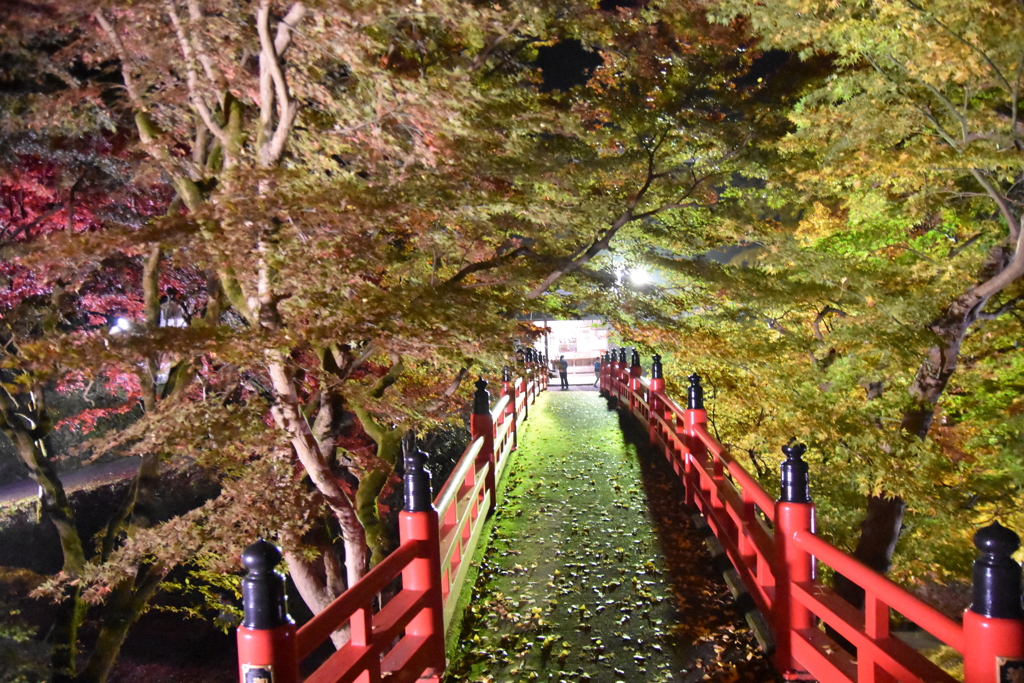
[694,415]
[994,623]
[793,512]
[633,380]
[266,638]
[876,627]
[418,522]
[482,425]
[653,400]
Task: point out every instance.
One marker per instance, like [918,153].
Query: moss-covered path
[595,571]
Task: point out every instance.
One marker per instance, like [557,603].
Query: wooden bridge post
[794,512]
[481,424]
[994,623]
[654,400]
[608,372]
[635,371]
[693,416]
[623,376]
[534,371]
[509,389]
[266,639]
[418,522]
[521,387]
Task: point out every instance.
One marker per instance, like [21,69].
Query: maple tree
[351,244]
[346,207]
[878,318]
[334,303]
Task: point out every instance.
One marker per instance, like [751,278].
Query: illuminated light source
[639,276]
[120,325]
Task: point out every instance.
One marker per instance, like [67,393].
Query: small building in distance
[580,341]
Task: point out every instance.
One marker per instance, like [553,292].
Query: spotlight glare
[639,276]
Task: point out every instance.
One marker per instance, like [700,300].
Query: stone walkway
[595,571]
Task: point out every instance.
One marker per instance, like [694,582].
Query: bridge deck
[595,571]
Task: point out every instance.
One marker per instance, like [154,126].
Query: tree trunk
[879,533]
[289,417]
[880,529]
[316,593]
[370,486]
[125,606]
[372,482]
[68,616]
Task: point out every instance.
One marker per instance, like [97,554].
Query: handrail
[500,407]
[320,627]
[742,477]
[910,606]
[405,639]
[745,480]
[778,564]
[447,496]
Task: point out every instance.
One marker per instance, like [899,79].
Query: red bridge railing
[774,549]
[405,639]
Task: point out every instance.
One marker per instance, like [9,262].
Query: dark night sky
[566,64]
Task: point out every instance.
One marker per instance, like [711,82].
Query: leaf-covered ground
[595,571]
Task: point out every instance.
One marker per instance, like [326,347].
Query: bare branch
[288,415]
[1013,270]
[28,226]
[1000,200]
[195,14]
[936,92]
[596,247]
[199,146]
[450,390]
[126,64]
[484,265]
[286,26]
[71,202]
[1002,310]
[943,133]
[192,80]
[954,252]
[287,108]
[481,58]
[1015,97]
[396,370]
[821,316]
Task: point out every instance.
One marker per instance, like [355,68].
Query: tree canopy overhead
[882,324]
[347,206]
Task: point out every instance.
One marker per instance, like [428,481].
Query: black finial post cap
[506,374]
[997,587]
[695,394]
[656,367]
[796,484]
[634,360]
[417,482]
[481,398]
[264,604]
[622,356]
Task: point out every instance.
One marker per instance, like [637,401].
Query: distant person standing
[563,371]
[597,371]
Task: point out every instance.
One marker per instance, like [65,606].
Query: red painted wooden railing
[405,639]
[774,549]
